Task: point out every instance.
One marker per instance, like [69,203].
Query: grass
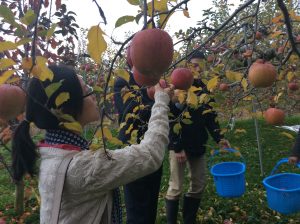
[248,209]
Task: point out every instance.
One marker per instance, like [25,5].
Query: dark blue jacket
[193,137]
[140,123]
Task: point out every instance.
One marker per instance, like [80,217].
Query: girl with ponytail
[78,185]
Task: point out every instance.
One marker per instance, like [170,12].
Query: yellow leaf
[186,13]
[61,98]
[194,88]
[287,135]
[181,96]
[234,76]
[237,153]
[276,34]
[206,111]
[212,83]
[177,127]
[127,96]
[223,131]
[73,126]
[129,129]
[7,45]
[276,98]
[240,131]
[192,99]
[124,74]
[247,98]
[6,75]
[40,70]
[107,133]
[115,141]
[133,136]
[97,44]
[6,63]
[277,19]
[290,76]
[204,98]
[95,146]
[294,16]
[186,114]
[293,59]
[244,84]
[13,80]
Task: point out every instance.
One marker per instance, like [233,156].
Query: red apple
[151,51]
[182,78]
[223,87]
[12,101]
[293,86]
[143,80]
[262,73]
[274,116]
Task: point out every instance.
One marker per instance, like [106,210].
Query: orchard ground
[250,208]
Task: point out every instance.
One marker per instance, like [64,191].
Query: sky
[88,15]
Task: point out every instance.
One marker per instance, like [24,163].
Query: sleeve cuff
[161,96]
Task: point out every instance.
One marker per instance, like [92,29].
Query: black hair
[39,110]
[197,54]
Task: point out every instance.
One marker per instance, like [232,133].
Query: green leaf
[187,121]
[7,45]
[134,2]
[52,88]
[177,127]
[61,98]
[6,63]
[138,17]
[23,41]
[51,30]
[124,19]
[97,44]
[7,14]
[29,17]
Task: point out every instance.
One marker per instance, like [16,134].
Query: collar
[64,139]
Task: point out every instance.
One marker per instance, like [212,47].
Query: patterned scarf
[70,138]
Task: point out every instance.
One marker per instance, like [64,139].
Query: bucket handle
[217,152]
[284,160]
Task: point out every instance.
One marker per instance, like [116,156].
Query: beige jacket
[87,194]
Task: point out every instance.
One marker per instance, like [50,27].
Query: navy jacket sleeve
[212,124]
[296,148]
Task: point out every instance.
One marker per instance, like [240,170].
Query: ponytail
[23,152]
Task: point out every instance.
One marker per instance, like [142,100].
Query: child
[295,155]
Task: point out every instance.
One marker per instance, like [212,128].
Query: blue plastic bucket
[283,190]
[229,178]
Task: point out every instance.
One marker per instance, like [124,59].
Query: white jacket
[91,176]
